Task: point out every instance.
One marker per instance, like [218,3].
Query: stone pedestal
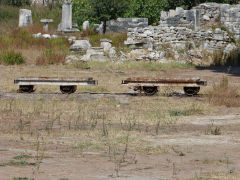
[25,17]
[45,23]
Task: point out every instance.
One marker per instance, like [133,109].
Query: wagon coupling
[150,86]
[67,85]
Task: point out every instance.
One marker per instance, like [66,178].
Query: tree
[105,10]
[150,9]
[15,2]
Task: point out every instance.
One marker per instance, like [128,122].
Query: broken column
[25,17]
[67,15]
[66,24]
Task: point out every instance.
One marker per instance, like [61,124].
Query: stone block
[80,45]
[86,25]
[164,14]
[25,17]
[172,13]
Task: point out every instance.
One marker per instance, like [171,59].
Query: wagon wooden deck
[150,86]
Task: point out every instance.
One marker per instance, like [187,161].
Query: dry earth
[204,144]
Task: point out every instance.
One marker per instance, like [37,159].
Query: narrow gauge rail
[67,85]
[150,86]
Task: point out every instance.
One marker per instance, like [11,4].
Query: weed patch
[117,38]
[22,178]
[11,58]
[50,57]
[18,163]
[224,94]
[23,156]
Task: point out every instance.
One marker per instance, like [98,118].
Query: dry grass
[223,94]
[49,57]
[20,40]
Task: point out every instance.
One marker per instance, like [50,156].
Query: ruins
[25,18]
[66,25]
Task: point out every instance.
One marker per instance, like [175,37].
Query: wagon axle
[148,86]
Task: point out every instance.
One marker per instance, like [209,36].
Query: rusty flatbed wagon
[67,85]
[150,86]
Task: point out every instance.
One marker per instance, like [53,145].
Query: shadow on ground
[233,71]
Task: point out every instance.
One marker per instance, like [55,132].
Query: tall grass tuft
[117,38]
[224,94]
[231,59]
[11,58]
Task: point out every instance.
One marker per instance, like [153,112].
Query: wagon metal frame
[150,86]
[67,85]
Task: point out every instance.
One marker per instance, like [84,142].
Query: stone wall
[224,15]
[156,37]
[180,17]
[122,24]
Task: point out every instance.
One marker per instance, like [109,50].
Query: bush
[11,58]
[15,2]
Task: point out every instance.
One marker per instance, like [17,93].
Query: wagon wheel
[26,89]
[190,91]
[150,90]
[68,89]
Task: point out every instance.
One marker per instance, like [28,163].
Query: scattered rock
[72,58]
[72,39]
[54,36]
[46,36]
[86,25]
[137,54]
[206,18]
[106,44]
[80,45]
[123,56]
[95,54]
[123,101]
[229,48]
[38,35]
[112,53]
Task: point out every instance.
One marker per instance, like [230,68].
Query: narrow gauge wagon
[150,86]
[67,85]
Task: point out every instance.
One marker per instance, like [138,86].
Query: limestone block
[164,14]
[46,36]
[106,44]
[112,53]
[172,13]
[95,54]
[80,45]
[25,18]
[206,17]
[180,11]
[86,25]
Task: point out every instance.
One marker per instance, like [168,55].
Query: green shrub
[15,2]
[11,58]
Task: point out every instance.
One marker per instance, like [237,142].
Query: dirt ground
[202,144]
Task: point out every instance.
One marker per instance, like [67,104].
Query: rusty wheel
[26,89]
[190,91]
[68,89]
[150,90]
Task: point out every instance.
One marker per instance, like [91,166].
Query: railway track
[149,86]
